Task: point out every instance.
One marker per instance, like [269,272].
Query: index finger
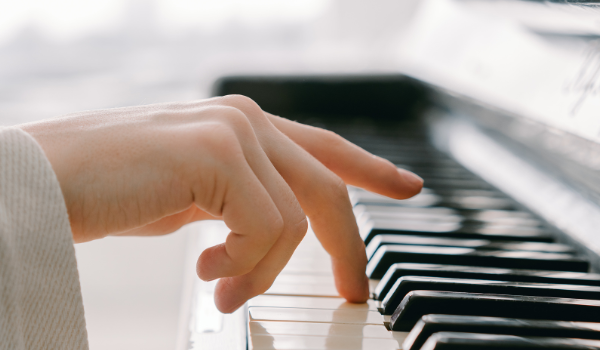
[351,163]
[324,198]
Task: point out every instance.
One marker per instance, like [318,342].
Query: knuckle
[239,101]
[336,189]
[219,140]
[233,117]
[257,287]
[245,104]
[298,230]
[242,268]
[337,185]
[331,138]
[383,166]
[277,225]
[263,287]
[274,226]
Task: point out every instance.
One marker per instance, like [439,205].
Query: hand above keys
[150,170]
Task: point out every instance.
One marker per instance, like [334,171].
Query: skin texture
[149,170]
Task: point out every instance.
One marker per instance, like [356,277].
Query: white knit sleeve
[40,296]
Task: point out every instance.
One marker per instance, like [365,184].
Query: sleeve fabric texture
[40,297]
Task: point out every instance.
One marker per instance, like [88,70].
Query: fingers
[353,164]
[324,198]
[259,258]
[292,172]
[232,190]
[233,292]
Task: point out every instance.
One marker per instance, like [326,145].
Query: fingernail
[411,178]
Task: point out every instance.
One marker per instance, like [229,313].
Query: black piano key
[429,171]
[407,284]
[496,227]
[439,164]
[445,183]
[486,273]
[416,158]
[501,217]
[459,199]
[459,193]
[408,213]
[475,341]
[382,240]
[477,203]
[430,324]
[402,220]
[388,255]
[390,146]
[423,216]
[435,175]
[418,303]
[452,230]
[424,199]
[478,218]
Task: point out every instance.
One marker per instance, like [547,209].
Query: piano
[495,104]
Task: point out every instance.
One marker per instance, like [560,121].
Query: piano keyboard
[459,266]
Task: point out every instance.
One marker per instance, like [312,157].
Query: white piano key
[324,329]
[300,269]
[304,284]
[424,199]
[308,266]
[311,241]
[312,250]
[373,285]
[311,263]
[304,279]
[311,303]
[302,289]
[309,256]
[293,342]
[342,316]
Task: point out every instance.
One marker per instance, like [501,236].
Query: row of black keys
[469,277]
[462,268]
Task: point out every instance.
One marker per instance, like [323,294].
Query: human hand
[150,170]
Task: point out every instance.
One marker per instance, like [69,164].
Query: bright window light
[72,19]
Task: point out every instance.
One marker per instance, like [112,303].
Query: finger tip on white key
[356,293]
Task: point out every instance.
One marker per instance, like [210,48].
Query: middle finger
[324,198]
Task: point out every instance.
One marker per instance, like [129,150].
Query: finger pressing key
[323,197]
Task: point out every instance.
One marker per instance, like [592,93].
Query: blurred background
[64,56]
